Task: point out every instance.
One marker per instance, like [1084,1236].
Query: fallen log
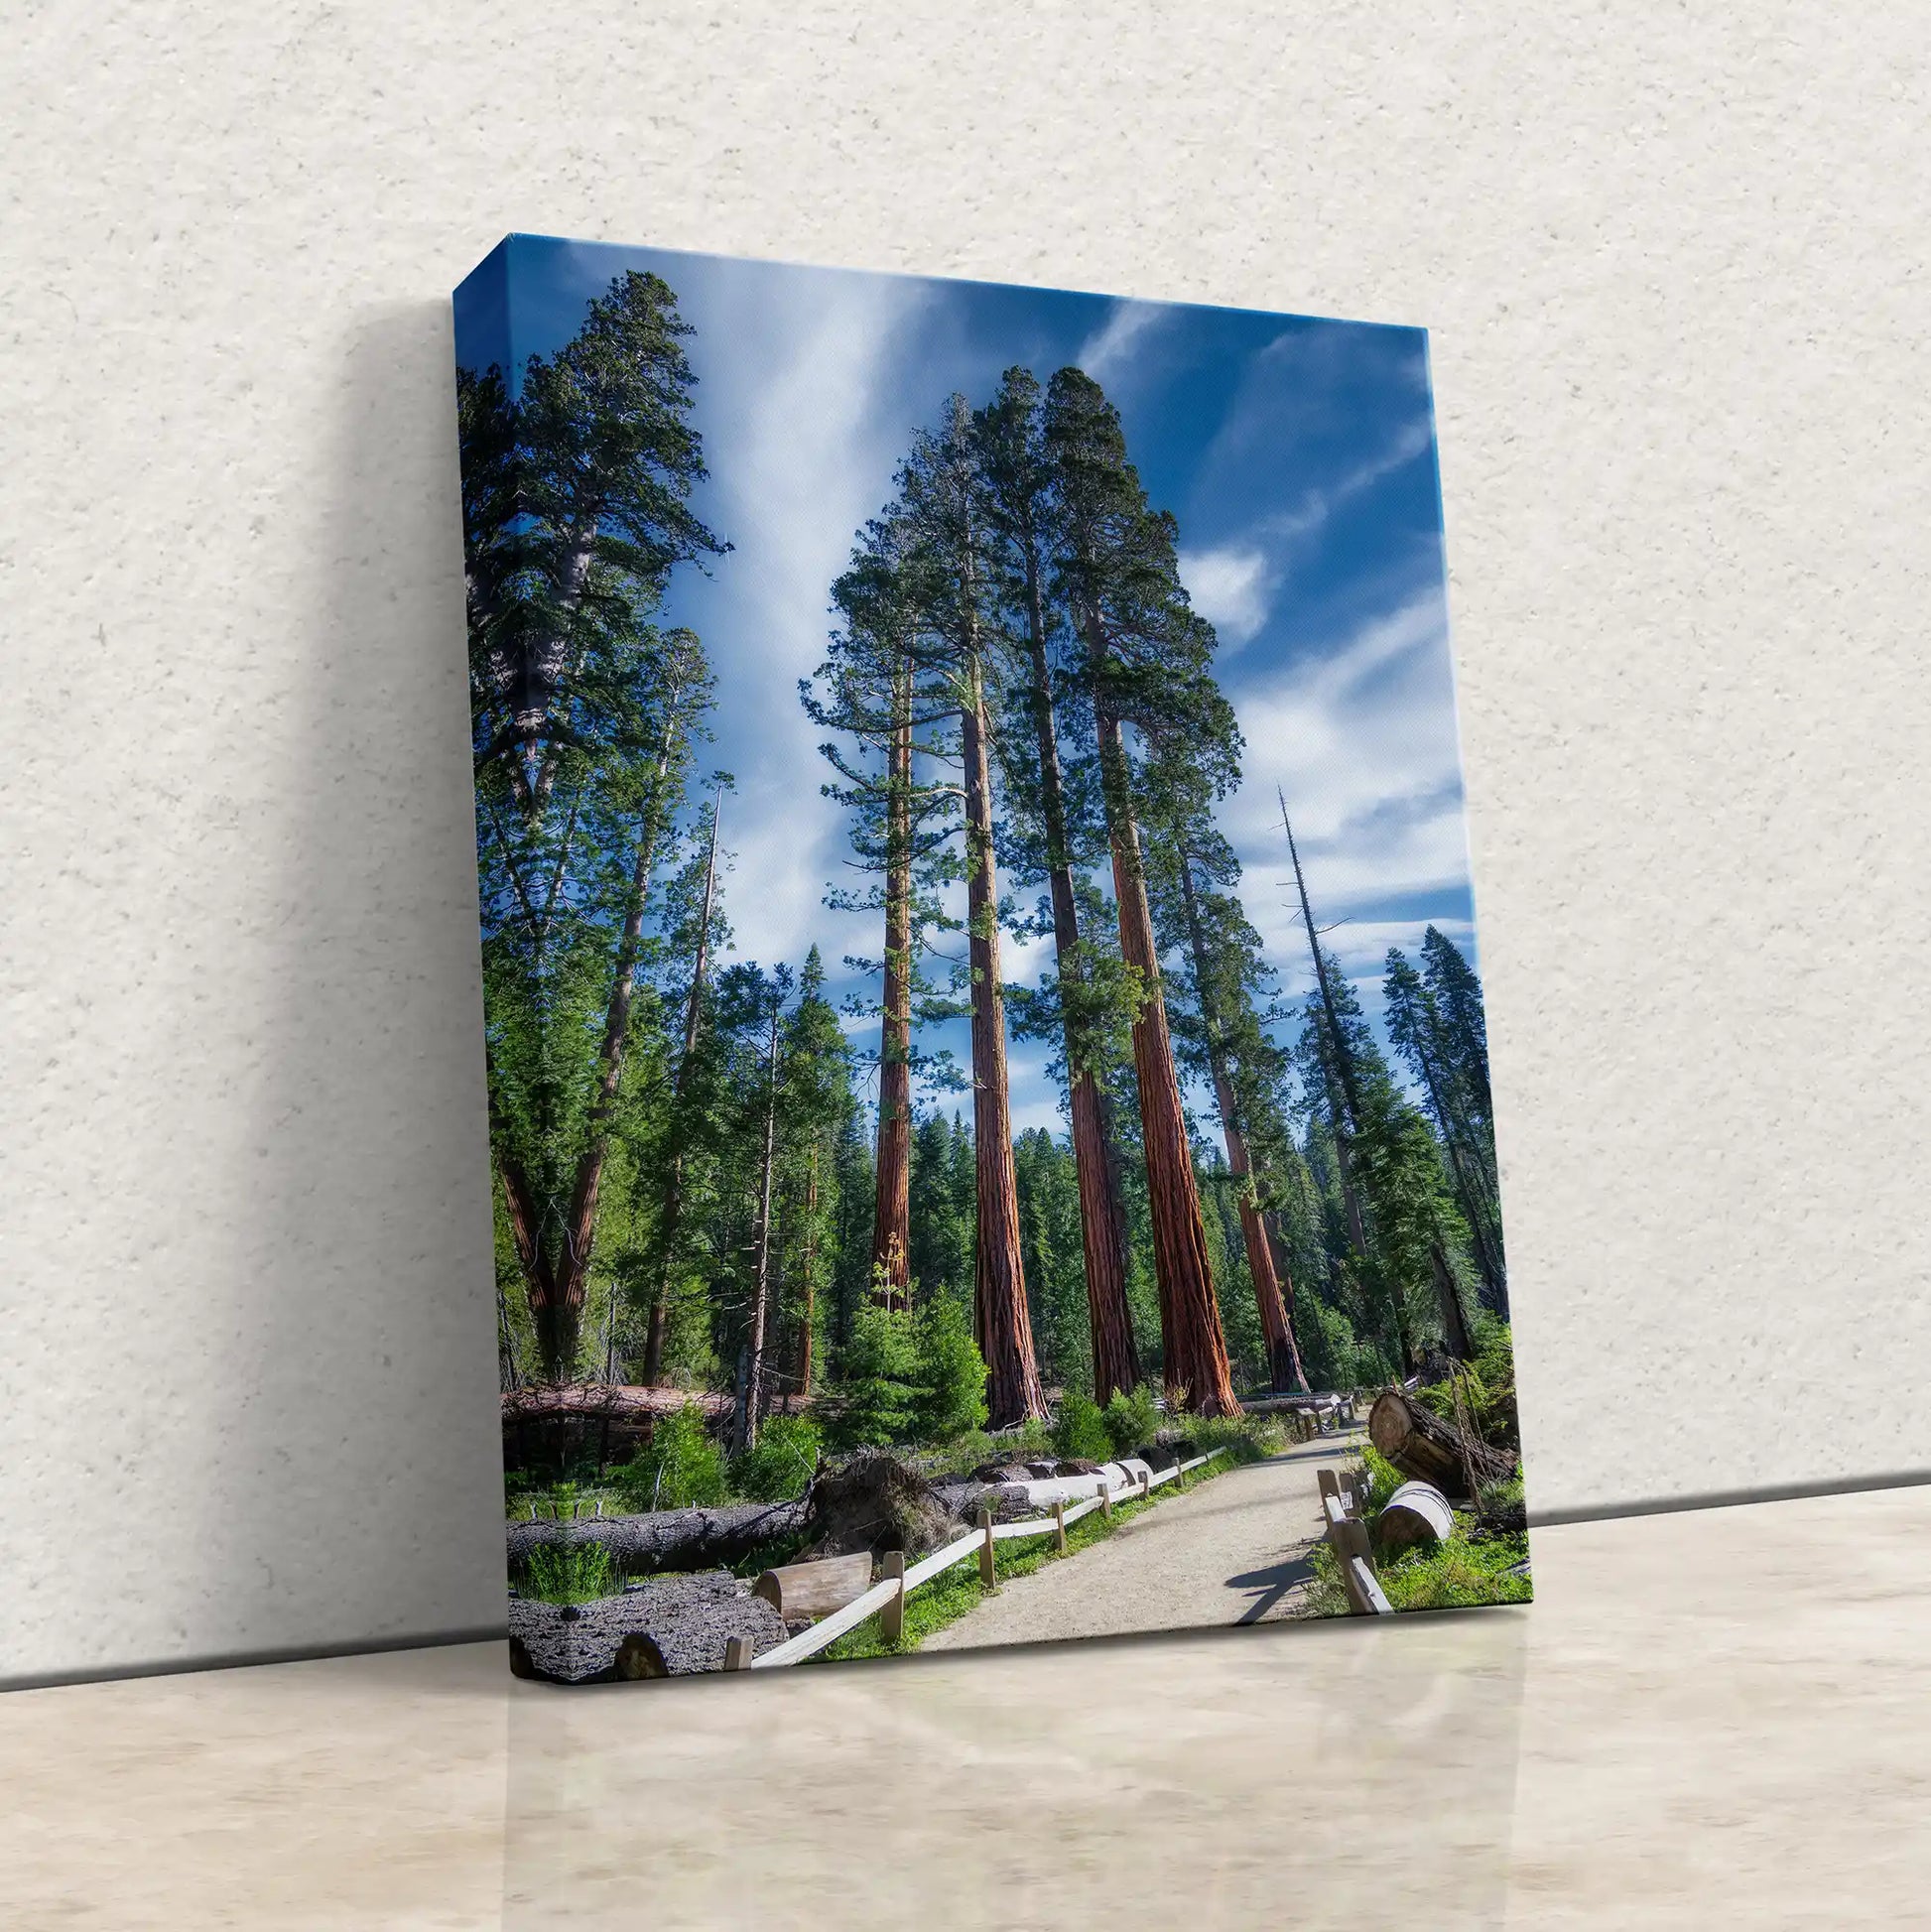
[1417,1513]
[801,1592]
[606,1402]
[1422,1445]
[670,1539]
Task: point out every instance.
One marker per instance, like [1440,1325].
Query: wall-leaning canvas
[989,1098]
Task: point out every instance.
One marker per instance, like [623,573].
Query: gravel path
[1232,1551]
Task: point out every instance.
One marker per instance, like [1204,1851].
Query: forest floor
[1232,1550]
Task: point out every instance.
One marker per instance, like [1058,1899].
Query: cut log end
[1425,1447]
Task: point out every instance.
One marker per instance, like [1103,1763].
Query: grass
[568,1573]
[1468,1571]
[958,1591]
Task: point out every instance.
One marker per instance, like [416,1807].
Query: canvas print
[990,1103]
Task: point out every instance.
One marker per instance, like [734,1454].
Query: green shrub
[1081,1429]
[880,1385]
[951,1372]
[1488,1389]
[677,1469]
[568,1573]
[781,1462]
[1384,1477]
[1131,1419]
[1456,1575]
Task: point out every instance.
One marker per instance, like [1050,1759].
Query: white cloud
[803,446]
[1364,745]
[1106,353]
[1231,588]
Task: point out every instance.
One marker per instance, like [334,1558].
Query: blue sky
[1298,454]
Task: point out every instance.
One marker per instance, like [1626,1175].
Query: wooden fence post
[1059,1525]
[1146,1484]
[1105,1498]
[1328,1483]
[738,1653]
[1349,1539]
[985,1549]
[891,1619]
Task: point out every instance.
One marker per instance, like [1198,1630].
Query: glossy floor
[1714,1720]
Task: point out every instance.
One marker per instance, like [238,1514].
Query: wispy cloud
[1107,354]
[1232,587]
[1363,743]
[802,436]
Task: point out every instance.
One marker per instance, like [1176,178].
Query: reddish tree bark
[1285,1369]
[1195,1348]
[1004,1325]
[891,1237]
[1103,1215]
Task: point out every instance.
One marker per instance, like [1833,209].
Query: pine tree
[877,689]
[1421,1035]
[705,940]
[575,513]
[939,492]
[1143,661]
[1194,880]
[1017,483]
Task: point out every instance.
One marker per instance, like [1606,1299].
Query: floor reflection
[1225,1779]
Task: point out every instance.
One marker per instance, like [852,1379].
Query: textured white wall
[1673,267]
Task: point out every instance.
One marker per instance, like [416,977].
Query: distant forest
[708,1181]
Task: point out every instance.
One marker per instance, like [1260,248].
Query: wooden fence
[1344,1501]
[885,1600]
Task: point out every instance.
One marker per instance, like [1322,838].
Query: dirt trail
[1233,1550]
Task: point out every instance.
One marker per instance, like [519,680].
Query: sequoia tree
[1145,663]
[875,690]
[1016,481]
[1197,876]
[939,494]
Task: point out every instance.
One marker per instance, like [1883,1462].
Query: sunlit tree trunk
[1285,1369]
[1001,1317]
[1103,1215]
[1194,1346]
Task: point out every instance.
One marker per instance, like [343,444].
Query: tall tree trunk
[751,1399]
[1005,1331]
[1103,1213]
[573,1265]
[809,1316]
[1194,1348]
[891,1236]
[1284,1371]
[672,1207]
[1455,1321]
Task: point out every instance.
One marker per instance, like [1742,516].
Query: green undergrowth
[958,1591]
[566,1573]
[1470,1570]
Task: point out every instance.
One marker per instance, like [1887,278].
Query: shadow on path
[1272,1584]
